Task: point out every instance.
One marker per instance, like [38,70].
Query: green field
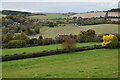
[70,29]
[99,63]
[44,28]
[39,48]
[49,16]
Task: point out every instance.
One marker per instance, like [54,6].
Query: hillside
[48,16]
[11,12]
[89,15]
[99,63]
[70,29]
[95,14]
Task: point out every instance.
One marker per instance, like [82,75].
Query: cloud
[58,6]
[60,0]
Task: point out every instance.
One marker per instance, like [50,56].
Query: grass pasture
[99,63]
[89,15]
[39,48]
[48,16]
[44,28]
[70,29]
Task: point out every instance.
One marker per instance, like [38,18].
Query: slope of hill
[96,14]
[90,15]
[49,16]
[99,63]
[11,12]
[66,30]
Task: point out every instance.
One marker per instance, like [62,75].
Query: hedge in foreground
[46,53]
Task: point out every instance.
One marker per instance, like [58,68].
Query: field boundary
[47,53]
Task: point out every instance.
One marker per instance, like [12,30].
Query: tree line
[22,40]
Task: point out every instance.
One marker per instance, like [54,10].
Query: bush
[47,41]
[51,24]
[21,36]
[110,41]
[86,36]
[16,44]
[33,42]
[69,44]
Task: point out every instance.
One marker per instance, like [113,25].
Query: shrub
[47,41]
[86,36]
[21,36]
[33,41]
[110,41]
[51,24]
[69,44]
[7,37]
[16,43]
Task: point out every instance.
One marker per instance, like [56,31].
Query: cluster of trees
[89,21]
[95,20]
[10,12]
[22,40]
[86,36]
[18,24]
[114,10]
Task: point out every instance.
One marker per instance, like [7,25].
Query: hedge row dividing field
[46,53]
[98,63]
[41,48]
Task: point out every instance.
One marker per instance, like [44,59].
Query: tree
[86,36]
[69,43]
[47,41]
[7,37]
[33,41]
[90,35]
[37,30]
[21,36]
[40,37]
[51,24]
[16,43]
[110,41]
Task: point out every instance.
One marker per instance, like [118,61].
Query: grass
[39,48]
[99,63]
[70,29]
[48,16]
[44,28]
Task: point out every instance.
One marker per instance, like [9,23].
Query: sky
[59,6]
[60,0]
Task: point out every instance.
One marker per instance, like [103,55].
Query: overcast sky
[56,6]
[60,0]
